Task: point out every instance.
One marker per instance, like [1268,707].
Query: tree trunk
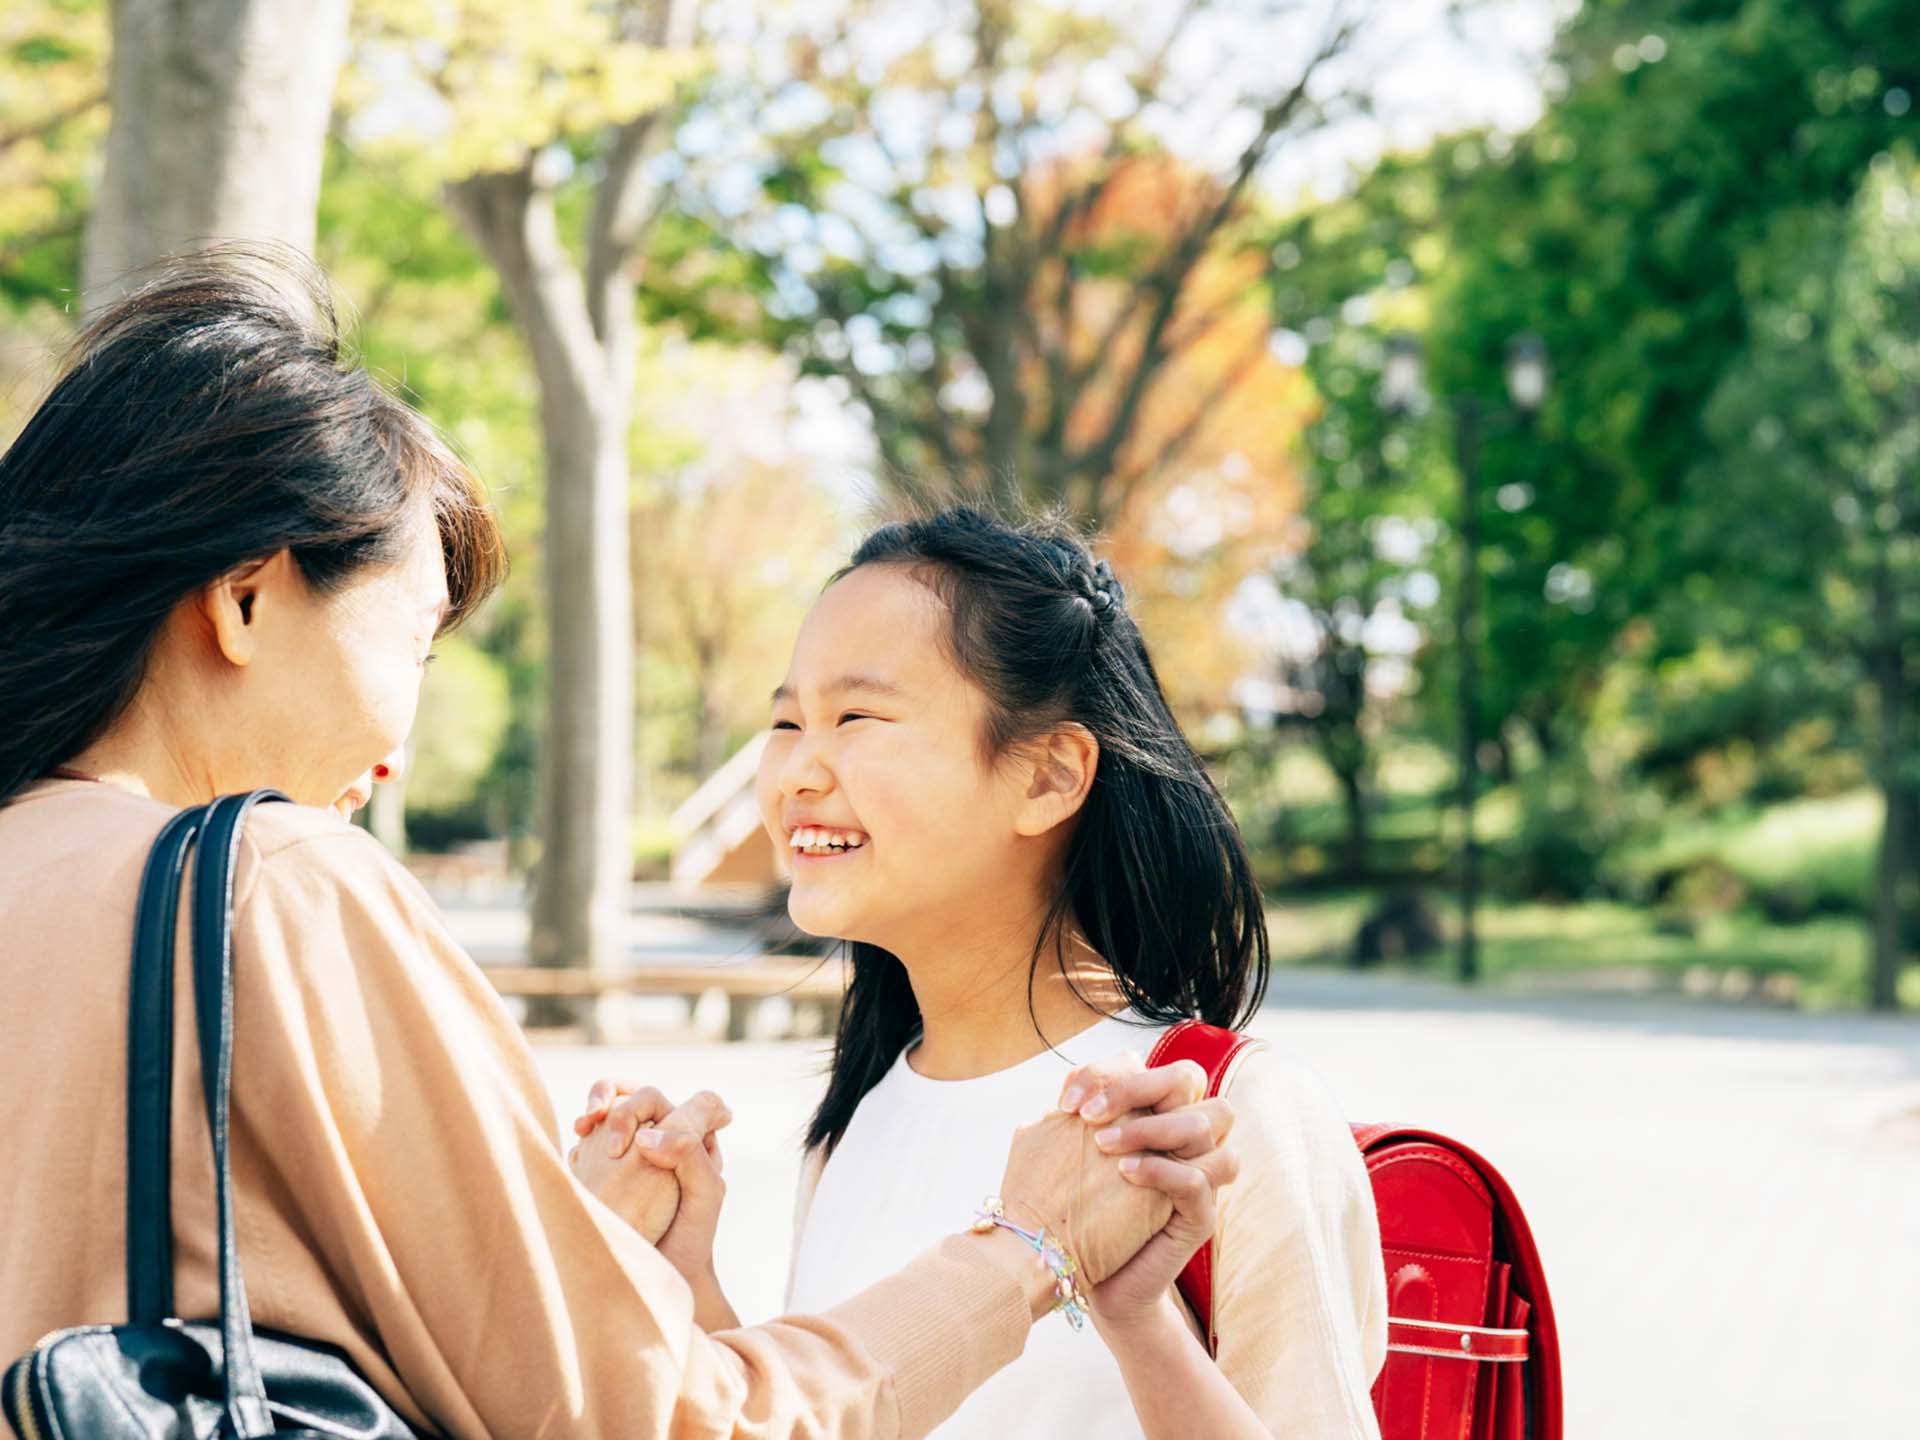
[1896,844]
[709,739]
[1354,796]
[582,332]
[1887,665]
[579,905]
[218,129]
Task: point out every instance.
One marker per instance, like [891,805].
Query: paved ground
[1728,1200]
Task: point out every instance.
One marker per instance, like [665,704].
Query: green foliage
[52,125]
[465,710]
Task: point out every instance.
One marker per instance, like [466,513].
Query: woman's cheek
[393,701]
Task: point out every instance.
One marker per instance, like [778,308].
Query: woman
[982,787]
[224,555]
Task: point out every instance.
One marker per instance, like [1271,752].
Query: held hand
[626,1122]
[686,1144]
[1188,1162]
[1171,1141]
[1058,1178]
[644,1196]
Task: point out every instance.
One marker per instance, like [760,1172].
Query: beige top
[399,1185]
[1299,1288]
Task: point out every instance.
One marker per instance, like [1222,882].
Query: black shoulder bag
[157,1377]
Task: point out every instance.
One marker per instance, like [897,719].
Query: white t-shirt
[1299,1287]
[918,1158]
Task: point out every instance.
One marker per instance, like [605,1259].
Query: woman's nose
[391,768]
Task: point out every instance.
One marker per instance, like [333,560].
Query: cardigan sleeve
[1299,1287]
[400,1119]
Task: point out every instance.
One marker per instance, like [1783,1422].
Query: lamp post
[1403,391]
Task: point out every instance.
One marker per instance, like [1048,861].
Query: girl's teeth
[812,838]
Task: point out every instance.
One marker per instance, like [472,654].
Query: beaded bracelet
[992,1215]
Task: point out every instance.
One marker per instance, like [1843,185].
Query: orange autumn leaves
[1204,489]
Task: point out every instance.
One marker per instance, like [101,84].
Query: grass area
[1819,851]
[1819,964]
[1770,899]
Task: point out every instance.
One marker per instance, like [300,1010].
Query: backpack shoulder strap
[1215,1051]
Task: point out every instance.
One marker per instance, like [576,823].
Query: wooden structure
[812,986]
[719,840]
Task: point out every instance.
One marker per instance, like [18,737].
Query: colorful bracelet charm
[992,1215]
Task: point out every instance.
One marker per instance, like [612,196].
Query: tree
[980,227]
[1818,491]
[530,96]
[1363,572]
[219,113]
[1622,229]
[1619,228]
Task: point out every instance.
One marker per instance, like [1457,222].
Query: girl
[984,791]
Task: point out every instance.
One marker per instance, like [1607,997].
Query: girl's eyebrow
[867,684]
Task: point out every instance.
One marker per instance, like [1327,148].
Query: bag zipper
[21,1407]
[20,1399]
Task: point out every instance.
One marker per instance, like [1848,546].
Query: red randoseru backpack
[1472,1353]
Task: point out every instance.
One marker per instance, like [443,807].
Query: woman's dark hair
[209,419]
[1156,875]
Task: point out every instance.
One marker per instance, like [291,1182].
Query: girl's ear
[1060,767]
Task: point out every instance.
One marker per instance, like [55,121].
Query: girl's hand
[696,1163]
[682,1146]
[625,1120]
[632,1106]
[642,1196]
[1178,1149]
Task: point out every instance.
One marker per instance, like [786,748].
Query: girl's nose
[391,768]
[803,773]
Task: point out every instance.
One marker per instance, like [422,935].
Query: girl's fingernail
[1106,1137]
[647,1139]
[1130,1163]
[1096,1108]
[1071,1100]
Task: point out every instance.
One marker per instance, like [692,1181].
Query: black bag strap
[247,1414]
[150,1074]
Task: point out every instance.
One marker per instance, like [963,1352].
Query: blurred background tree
[217,112]
[974,219]
[526,95]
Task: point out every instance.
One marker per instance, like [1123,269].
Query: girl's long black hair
[1156,874]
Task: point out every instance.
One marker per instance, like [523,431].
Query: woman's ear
[232,605]
[1060,767]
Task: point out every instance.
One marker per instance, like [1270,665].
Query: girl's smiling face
[875,779]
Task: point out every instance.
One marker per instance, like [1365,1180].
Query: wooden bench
[813,986]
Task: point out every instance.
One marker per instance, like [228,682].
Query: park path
[1728,1199]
